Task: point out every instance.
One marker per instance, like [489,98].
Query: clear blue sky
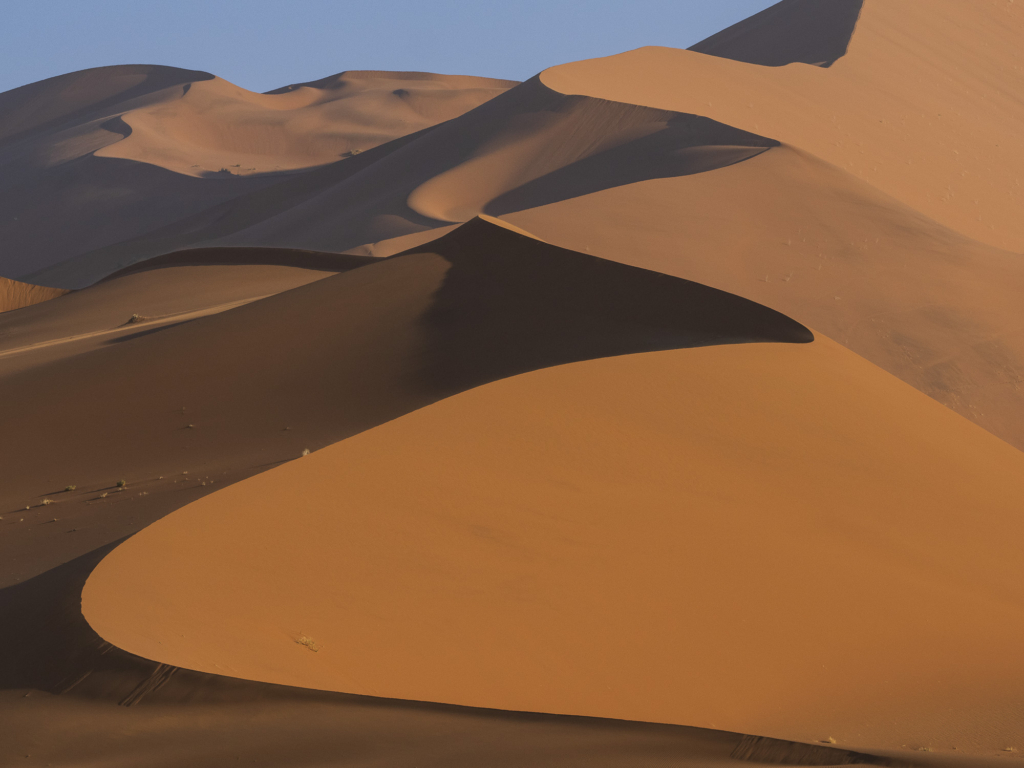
[264,44]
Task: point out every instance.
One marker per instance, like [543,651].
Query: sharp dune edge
[410,419]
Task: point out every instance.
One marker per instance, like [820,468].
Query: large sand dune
[925,105]
[407,419]
[115,152]
[309,366]
[930,306]
[768,539]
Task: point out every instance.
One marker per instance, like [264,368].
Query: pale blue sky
[264,44]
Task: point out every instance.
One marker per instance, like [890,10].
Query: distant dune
[116,152]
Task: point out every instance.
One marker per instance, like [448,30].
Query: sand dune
[530,143]
[924,106]
[117,152]
[784,229]
[313,365]
[769,539]
[584,488]
[647,186]
[168,291]
[15,295]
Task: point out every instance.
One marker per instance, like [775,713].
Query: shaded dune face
[342,355]
[527,147]
[928,305]
[535,145]
[510,304]
[47,106]
[118,152]
[814,32]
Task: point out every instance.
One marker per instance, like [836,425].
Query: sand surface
[784,229]
[116,152]
[739,537]
[15,295]
[923,105]
[431,420]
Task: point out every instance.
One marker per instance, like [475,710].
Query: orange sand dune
[15,295]
[925,105]
[167,291]
[939,311]
[772,539]
[117,152]
[262,381]
[298,126]
[531,143]
[578,479]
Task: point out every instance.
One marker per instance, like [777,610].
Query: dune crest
[528,147]
[337,354]
[771,539]
[924,105]
[118,152]
[409,419]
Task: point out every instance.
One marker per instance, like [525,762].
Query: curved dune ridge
[411,419]
[793,233]
[694,197]
[307,367]
[924,105]
[770,539]
[15,295]
[116,152]
[527,147]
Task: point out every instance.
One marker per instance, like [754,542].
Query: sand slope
[312,365]
[924,105]
[784,229]
[118,151]
[15,295]
[530,142]
[780,540]
[542,478]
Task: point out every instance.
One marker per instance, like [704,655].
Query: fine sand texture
[15,295]
[771,539]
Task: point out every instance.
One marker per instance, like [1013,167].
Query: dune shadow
[222,256]
[816,32]
[510,303]
[687,145]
